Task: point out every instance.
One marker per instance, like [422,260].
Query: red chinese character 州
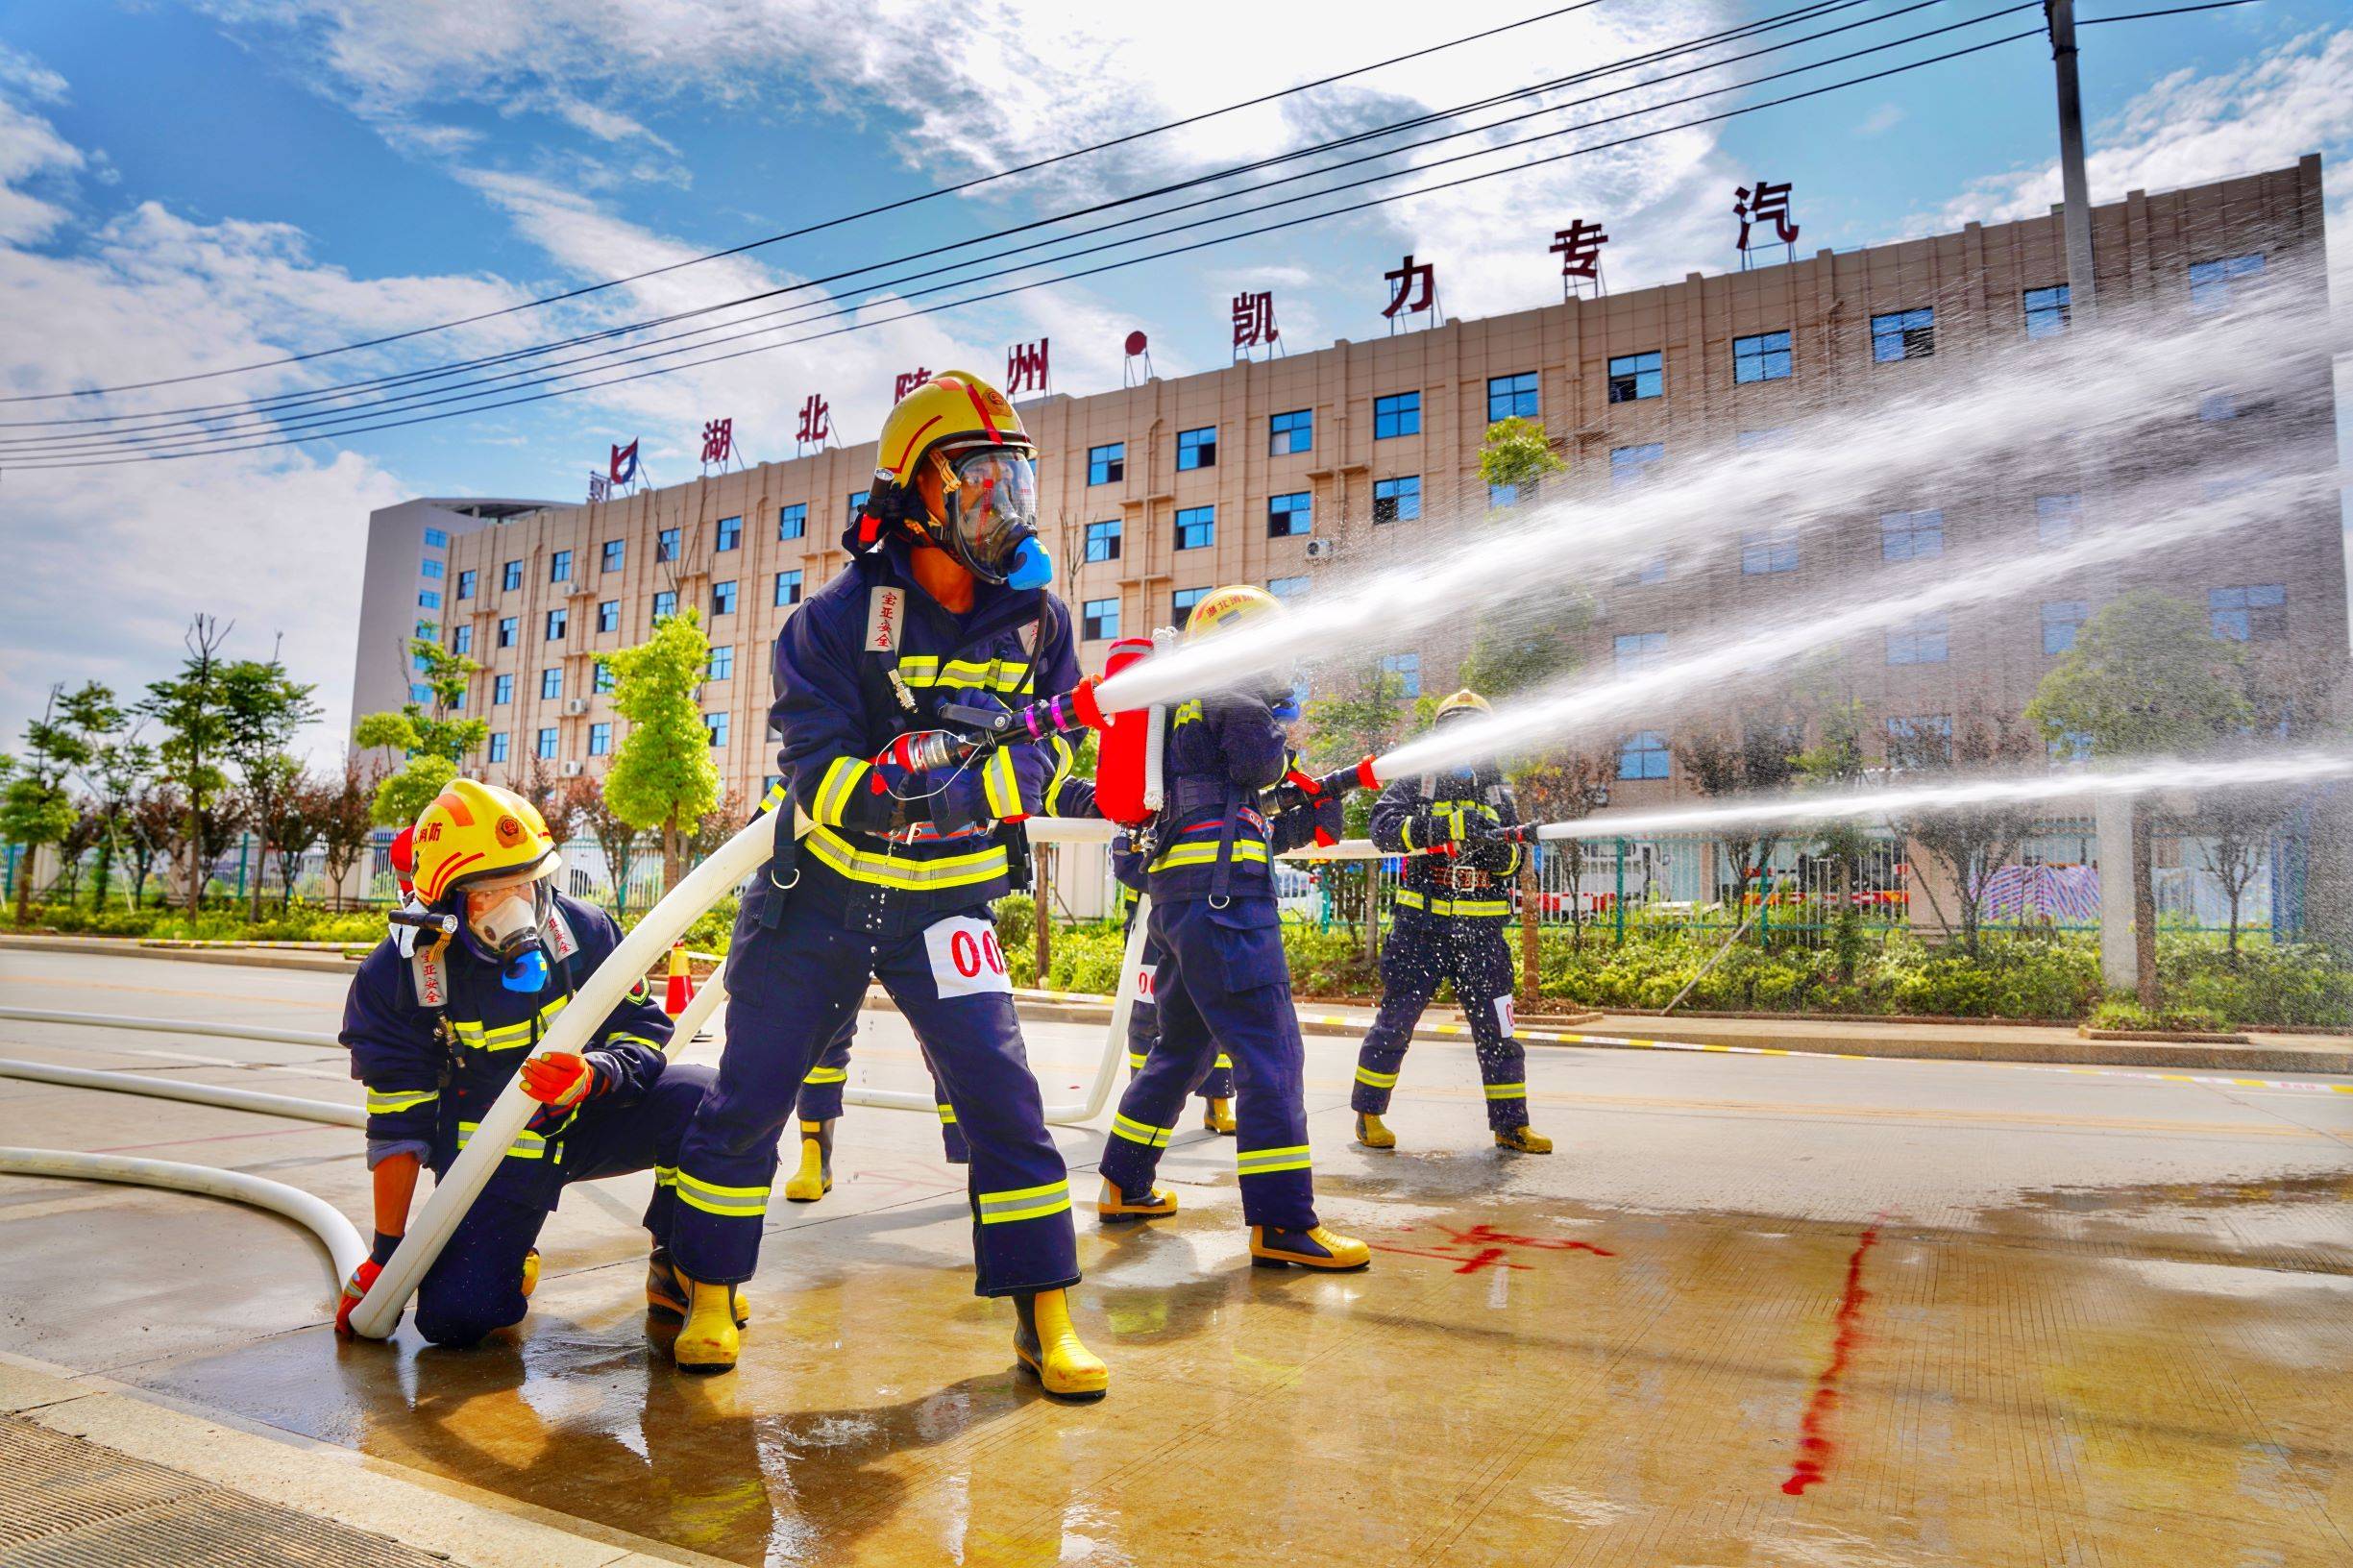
[1025,366]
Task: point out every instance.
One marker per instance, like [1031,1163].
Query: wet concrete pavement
[1758,1311]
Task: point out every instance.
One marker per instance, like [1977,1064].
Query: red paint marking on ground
[1486,1235]
[1488,1258]
[1814,1446]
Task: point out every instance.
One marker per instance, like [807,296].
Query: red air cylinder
[1120,759]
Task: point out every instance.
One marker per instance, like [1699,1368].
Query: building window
[465,582]
[2249,615]
[559,566]
[1196,528]
[1652,571]
[2213,282]
[665,605]
[510,630]
[546,745]
[1921,735]
[600,739]
[1107,465]
[788,588]
[431,568]
[1766,551]
[1182,604]
[1643,754]
[723,599]
[1101,619]
[429,599]
[608,615]
[1904,335]
[857,504]
[499,744]
[1911,536]
[665,545]
[437,539]
[551,684]
[1103,541]
[716,725]
[1631,465]
[1632,377]
[2047,312]
[1511,397]
[1397,500]
[1500,495]
[1289,588]
[1290,432]
[605,680]
[510,576]
[1638,650]
[1922,641]
[1764,358]
[1289,516]
[1398,414]
[501,689]
[1198,449]
[558,620]
[2060,619]
[457,701]
[616,552]
[723,664]
[791,522]
[2055,516]
[729,535]
[1408,668]
[420,661]
[461,641]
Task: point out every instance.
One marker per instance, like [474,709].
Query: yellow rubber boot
[709,1340]
[1219,1117]
[665,1297]
[815,1177]
[1272,1247]
[1113,1207]
[1521,1140]
[1372,1134]
[1048,1348]
[530,1272]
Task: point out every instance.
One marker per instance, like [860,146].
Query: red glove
[354,1290]
[559,1078]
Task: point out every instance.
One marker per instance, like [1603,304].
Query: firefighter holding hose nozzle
[1447,920]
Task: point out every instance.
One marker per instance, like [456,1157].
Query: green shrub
[2125,1013]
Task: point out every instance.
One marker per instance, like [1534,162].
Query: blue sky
[189,185]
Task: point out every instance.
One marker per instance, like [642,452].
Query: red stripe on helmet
[433,893]
[900,463]
[981,409]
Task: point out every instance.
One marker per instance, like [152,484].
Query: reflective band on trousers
[1206,854]
[1135,1061]
[948,1116]
[664,1175]
[1025,1203]
[911,876]
[1266,1162]
[1137,1132]
[1408,898]
[384,1105]
[827,1075]
[527,1144]
[1376,1080]
[728,1202]
[1507,1092]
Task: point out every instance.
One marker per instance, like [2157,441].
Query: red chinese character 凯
[1579,249]
[1253,320]
[815,421]
[907,381]
[1770,202]
[1025,366]
[1421,282]
[718,440]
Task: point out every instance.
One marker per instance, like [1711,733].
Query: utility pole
[2074,187]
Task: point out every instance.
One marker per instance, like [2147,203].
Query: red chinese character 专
[1025,366]
[718,440]
[907,381]
[1253,320]
[1764,203]
[815,421]
[1579,249]
[1421,282]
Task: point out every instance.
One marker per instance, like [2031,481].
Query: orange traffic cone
[681,982]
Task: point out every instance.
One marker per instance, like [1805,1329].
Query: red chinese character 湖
[718,440]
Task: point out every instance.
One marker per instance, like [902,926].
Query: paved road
[1758,1311]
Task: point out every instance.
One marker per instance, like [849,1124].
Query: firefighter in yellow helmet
[945,601]
[1447,921]
[450,1006]
[1223,981]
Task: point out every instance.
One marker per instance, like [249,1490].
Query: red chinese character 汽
[718,440]
[816,419]
[1580,248]
[1025,366]
[1254,319]
[1764,201]
[1419,281]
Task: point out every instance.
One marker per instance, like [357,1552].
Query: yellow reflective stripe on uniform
[843,774]
[1376,1080]
[641,991]
[1223,1061]
[1137,1132]
[1266,1162]
[527,1144]
[1064,760]
[1188,712]
[774,798]
[1507,1092]
[1135,1061]
[1205,854]
[664,1175]
[948,1116]
[1024,1203]
[506,1036]
[632,1040]
[1001,785]
[727,1202]
[384,1105]
[1408,898]
[991,676]
[913,875]
[827,1075]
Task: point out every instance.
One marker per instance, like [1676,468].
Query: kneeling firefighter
[1217,1091]
[450,1007]
[944,606]
[1447,921]
[1223,979]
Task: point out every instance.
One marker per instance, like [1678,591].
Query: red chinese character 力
[1763,203]
[718,440]
[1579,249]
[1421,282]
[1025,366]
[1253,320]
[815,421]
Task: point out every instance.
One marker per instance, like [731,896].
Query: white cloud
[1880,120]
[31,152]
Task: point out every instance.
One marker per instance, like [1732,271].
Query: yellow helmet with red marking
[474,833]
[963,433]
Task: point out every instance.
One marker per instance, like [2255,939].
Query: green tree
[119,767]
[662,779]
[2146,678]
[193,711]
[267,708]
[300,807]
[347,823]
[617,840]
[1972,843]
[1518,648]
[1761,759]
[1517,453]
[33,808]
[1836,762]
[429,735]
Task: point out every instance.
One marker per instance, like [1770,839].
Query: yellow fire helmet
[966,432]
[1464,700]
[1226,608]
[476,832]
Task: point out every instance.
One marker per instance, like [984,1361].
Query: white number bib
[1143,981]
[1505,1018]
[966,959]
